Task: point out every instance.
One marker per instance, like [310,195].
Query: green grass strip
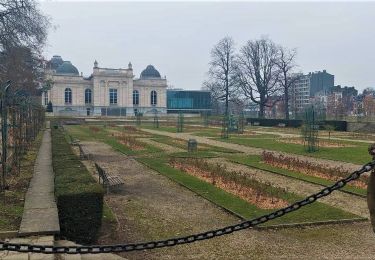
[357,154]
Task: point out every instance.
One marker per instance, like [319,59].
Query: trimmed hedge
[337,125]
[275,122]
[79,197]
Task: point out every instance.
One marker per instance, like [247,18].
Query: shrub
[49,107]
[338,125]
[79,198]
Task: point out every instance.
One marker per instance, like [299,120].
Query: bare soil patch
[249,194]
[316,169]
[322,143]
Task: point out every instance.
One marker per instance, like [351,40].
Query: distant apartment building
[310,88]
[299,94]
[321,83]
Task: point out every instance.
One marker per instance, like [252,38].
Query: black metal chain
[96,249]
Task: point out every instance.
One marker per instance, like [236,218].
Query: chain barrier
[186,239]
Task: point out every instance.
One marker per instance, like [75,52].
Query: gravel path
[252,150]
[345,201]
[153,207]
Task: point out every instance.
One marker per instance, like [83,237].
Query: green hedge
[336,125]
[79,197]
[275,122]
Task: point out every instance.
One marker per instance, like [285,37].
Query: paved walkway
[40,216]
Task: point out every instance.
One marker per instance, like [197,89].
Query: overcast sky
[177,37]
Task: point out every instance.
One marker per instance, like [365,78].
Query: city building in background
[106,92]
[321,83]
[299,94]
[312,88]
[188,101]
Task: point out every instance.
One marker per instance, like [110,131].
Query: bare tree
[22,24]
[258,73]
[23,33]
[222,72]
[286,65]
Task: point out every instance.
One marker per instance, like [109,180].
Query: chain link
[96,249]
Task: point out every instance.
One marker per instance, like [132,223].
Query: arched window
[45,98]
[135,97]
[88,96]
[154,98]
[68,96]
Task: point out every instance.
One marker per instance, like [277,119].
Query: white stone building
[106,92]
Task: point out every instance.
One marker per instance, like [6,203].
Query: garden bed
[315,212]
[319,170]
[322,143]
[262,195]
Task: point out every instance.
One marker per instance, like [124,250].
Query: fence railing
[22,117]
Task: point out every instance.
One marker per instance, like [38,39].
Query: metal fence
[22,117]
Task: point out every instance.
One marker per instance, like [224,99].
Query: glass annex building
[188,101]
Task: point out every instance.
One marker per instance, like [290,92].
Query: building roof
[55,62]
[67,68]
[150,72]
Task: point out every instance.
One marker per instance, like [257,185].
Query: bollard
[371,190]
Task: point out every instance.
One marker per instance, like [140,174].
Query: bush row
[79,197]
[324,125]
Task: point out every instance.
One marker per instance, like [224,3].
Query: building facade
[312,88]
[321,82]
[188,101]
[106,92]
[299,94]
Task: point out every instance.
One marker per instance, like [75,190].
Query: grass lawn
[170,129]
[180,143]
[357,154]
[315,212]
[255,161]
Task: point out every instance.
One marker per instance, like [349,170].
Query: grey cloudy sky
[177,37]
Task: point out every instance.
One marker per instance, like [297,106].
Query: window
[154,98]
[112,96]
[135,97]
[68,96]
[45,98]
[88,96]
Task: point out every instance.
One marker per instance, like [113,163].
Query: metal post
[225,127]
[4,132]
[371,190]
[156,120]
[180,122]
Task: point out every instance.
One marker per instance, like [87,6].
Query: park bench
[84,154]
[108,181]
[73,141]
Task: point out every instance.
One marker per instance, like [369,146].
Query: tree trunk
[262,105]
[286,103]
